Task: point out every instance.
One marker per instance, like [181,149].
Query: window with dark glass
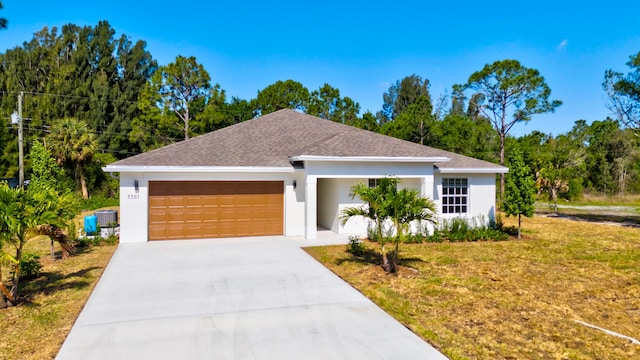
[455,196]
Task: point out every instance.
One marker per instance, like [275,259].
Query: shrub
[476,229]
[371,233]
[355,246]
[575,190]
[417,238]
[30,266]
[110,240]
[436,237]
[97,202]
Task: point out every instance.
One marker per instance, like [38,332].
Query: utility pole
[20,140]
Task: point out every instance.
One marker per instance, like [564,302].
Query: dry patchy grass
[517,299]
[37,327]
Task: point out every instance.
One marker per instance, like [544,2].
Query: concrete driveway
[249,298]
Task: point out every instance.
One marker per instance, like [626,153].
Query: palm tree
[71,141]
[375,208]
[23,213]
[406,207]
[385,202]
[8,201]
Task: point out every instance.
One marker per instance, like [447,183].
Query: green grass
[513,299]
[602,200]
[37,327]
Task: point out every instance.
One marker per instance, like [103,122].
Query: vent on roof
[298,164]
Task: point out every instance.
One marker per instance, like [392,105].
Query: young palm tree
[22,213]
[8,202]
[385,202]
[375,208]
[407,206]
[72,141]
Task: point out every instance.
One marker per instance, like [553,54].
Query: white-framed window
[374,183]
[455,196]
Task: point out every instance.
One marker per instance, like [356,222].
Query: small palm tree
[375,208]
[23,213]
[385,202]
[406,207]
[71,141]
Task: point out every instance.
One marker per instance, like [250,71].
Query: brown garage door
[213,209]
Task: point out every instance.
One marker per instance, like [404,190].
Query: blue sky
[361,47]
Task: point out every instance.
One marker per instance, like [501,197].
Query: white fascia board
[431,159]
[500,170]
[198,169]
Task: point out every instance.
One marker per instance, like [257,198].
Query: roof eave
[406,159]
[496,170]
[196,169]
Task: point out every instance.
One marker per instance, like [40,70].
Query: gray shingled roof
[272,139]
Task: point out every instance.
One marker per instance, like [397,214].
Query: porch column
[310,207]
[426,187]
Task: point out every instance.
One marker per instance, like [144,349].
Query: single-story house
[285,173]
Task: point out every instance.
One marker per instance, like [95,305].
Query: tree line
[111,89]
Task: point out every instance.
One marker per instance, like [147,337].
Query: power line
[79,97]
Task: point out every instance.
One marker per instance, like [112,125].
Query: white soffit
[405,159]
[198,169]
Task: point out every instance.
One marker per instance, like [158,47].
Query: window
[375,182]
[455,196]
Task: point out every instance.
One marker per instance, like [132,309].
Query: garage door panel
[245,200]
[226,200]
[193,215]
[193,201]
[201,209]
[211,201]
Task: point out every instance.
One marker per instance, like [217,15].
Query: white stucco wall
[321,193]
[333,197]
[134,206]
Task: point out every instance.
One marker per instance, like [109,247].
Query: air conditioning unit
[107,218]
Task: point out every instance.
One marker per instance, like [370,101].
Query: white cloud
[563,44]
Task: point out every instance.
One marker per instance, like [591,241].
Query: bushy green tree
[288,94]
[415,123]
[401,95]
[45,171]
[519,190]
[327,103]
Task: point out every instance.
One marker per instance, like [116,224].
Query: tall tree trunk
[3,292]
[502,144]
[186,122]
[15,280]
[83,184]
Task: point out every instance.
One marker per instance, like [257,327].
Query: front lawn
[517,299]
[37,327]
